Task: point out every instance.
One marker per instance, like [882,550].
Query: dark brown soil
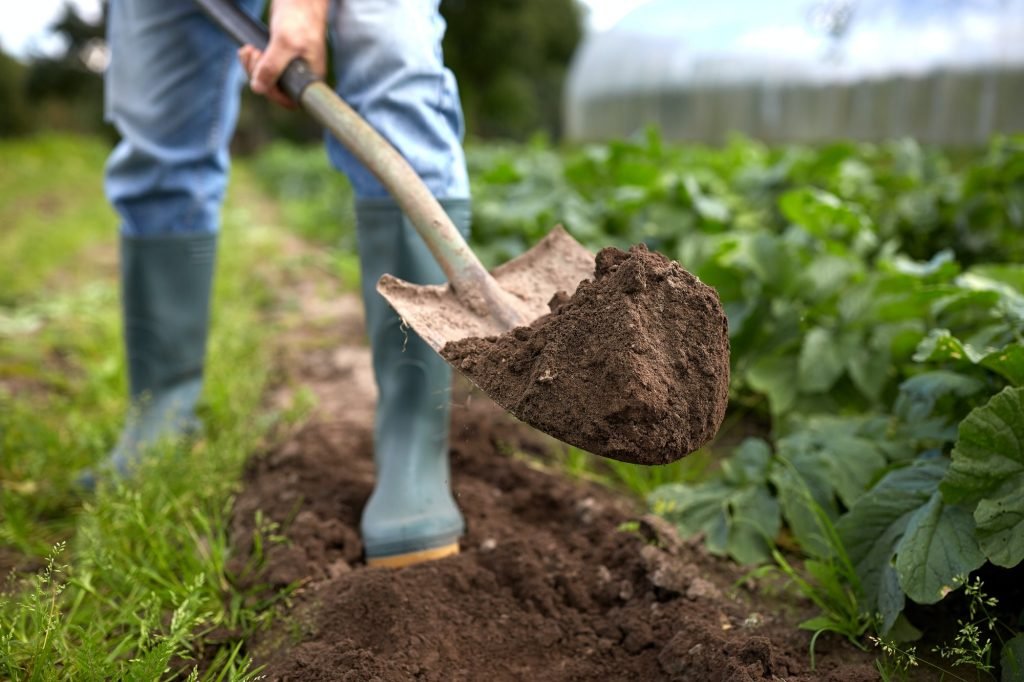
[633,366]
[549,586]
[14,564]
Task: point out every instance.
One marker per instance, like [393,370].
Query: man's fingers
[252,61]
[247,54]
[269,67]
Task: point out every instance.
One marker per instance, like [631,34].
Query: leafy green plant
[905,541]
[987,472]
[876,317]
[734,508]
[972,644]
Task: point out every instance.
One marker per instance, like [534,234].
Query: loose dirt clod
[633,366]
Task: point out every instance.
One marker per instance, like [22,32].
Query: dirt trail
[548,586]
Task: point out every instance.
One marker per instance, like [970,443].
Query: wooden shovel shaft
[473,285]
[467,275]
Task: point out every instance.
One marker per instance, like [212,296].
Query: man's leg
[391,71]
[172,90]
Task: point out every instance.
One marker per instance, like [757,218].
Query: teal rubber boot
[165,293]
[411,515]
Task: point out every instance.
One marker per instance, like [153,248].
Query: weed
[971,647]
[636,479]
[972,644]
[897,660]
[629,527]
[828,579]
[642,480]
[31,633]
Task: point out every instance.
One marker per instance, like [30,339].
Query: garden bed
[558,578]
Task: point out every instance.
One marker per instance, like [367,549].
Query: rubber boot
[411,515]
[165,294]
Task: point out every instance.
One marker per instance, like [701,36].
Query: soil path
[549,585]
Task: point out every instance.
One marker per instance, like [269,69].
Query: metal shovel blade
[556,263]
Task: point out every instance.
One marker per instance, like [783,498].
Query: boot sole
[412,558]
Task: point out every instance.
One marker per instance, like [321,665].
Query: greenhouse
[944,71]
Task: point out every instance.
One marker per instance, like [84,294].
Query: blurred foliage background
[506,93]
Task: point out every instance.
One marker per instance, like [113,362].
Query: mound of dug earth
[633,366]
[549,586]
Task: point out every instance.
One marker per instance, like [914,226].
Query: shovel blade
[556,263]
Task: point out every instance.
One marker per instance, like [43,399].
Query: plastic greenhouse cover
[667,42]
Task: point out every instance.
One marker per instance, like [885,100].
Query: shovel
[474,303]
[644,347]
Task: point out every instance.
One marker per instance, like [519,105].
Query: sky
[23,24]
[779,28]
[737,40]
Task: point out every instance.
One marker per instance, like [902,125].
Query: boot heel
[413,558]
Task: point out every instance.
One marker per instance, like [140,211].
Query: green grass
[136,576]
[635,479]
[315,202]
[51,207]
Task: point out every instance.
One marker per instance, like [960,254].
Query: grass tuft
[135,581]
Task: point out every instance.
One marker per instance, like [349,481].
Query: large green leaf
[824,214]
[735,509]
[988,469]
[920,394]
[938,547]
[902,538]
[869,361]
[941,345]
[824,461]
[776,377]
[1011,660]
[1012,274]
[821,362]
[940,267]
[804,495]
[827,275]
[1007,361]
[848,460]
[1011,300]
[764,255]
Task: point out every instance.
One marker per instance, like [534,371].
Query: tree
[15,118]
[510,57]
[67,89]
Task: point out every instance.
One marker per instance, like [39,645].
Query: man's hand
[298,28]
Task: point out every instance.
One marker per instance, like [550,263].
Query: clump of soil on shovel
[633,366]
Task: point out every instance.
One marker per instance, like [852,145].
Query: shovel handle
[469,279]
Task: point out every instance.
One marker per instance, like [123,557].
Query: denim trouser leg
[390,70]
[172,90]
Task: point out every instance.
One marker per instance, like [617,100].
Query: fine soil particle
[549,585]
[633,366]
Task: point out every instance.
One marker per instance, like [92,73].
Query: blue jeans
[173,88]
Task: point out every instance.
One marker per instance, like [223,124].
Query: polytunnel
[944,71]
